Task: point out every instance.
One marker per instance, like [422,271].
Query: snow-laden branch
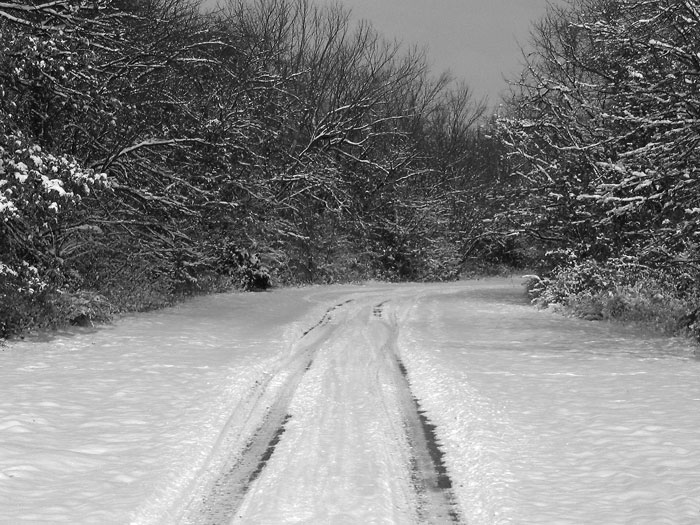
[149,143]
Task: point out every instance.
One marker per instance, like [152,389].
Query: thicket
[149,150]
[603,130]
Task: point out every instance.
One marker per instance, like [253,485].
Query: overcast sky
[477,40]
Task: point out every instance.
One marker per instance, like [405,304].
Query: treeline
[150,150]
[603,130]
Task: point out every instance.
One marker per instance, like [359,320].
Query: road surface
[376,403]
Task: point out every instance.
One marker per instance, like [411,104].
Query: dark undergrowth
[97,296]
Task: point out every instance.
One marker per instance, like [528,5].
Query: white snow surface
[542,419]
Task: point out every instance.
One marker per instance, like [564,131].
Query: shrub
[21,294]
[81,308]
[620,290]
[245,270]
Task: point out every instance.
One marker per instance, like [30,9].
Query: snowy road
[334,436]
[395,404]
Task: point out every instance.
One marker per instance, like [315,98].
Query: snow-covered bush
[245,269]
[33,178]
[82,307]
[41,197]
[41,212]
[620,289]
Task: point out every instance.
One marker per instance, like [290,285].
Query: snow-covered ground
[557,421]
[541,419]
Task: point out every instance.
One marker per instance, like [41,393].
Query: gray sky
[477,40]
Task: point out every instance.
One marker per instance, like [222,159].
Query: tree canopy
[149,150]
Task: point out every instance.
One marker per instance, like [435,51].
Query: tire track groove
[239,472]
[433,486]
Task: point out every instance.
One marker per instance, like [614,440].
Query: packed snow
[541,419]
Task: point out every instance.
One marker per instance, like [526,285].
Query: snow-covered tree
[148,150]
[604,126]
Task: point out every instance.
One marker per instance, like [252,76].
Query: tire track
[240,470]
[433,485]
[326,318]
[431,481]
[428,477]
